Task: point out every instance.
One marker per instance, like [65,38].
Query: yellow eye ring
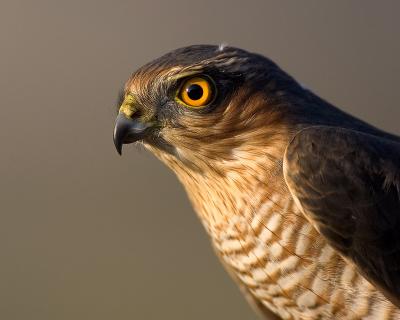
[196,92]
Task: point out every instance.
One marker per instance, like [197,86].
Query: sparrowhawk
[301,200]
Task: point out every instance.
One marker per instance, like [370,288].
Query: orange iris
[196,92]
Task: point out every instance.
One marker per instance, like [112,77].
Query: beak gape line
[128,131]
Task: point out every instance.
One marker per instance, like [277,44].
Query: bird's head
[204,104]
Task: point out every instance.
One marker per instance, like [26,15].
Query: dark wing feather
[347,184]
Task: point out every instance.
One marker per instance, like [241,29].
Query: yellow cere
[196,92]
[127,106]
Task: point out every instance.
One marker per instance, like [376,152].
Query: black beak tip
[127,131]
[118,144]
[118,140]
[119,149]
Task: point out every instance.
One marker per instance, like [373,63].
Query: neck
[223,189]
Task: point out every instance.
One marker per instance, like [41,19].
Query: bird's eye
[196,92]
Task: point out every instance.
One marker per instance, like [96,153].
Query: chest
[284,262]
[276,254]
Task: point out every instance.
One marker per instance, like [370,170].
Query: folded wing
[347,184]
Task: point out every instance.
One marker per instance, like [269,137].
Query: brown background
[85,234]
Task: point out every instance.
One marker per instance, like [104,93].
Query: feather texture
[299,198]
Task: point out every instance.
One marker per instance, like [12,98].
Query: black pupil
[194,92]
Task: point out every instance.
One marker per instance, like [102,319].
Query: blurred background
[86,234]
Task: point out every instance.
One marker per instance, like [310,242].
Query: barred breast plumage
[271,248]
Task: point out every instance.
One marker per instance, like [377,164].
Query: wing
[347,184]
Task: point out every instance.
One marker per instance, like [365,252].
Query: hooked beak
[128,130]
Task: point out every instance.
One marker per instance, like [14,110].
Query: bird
[299,198]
